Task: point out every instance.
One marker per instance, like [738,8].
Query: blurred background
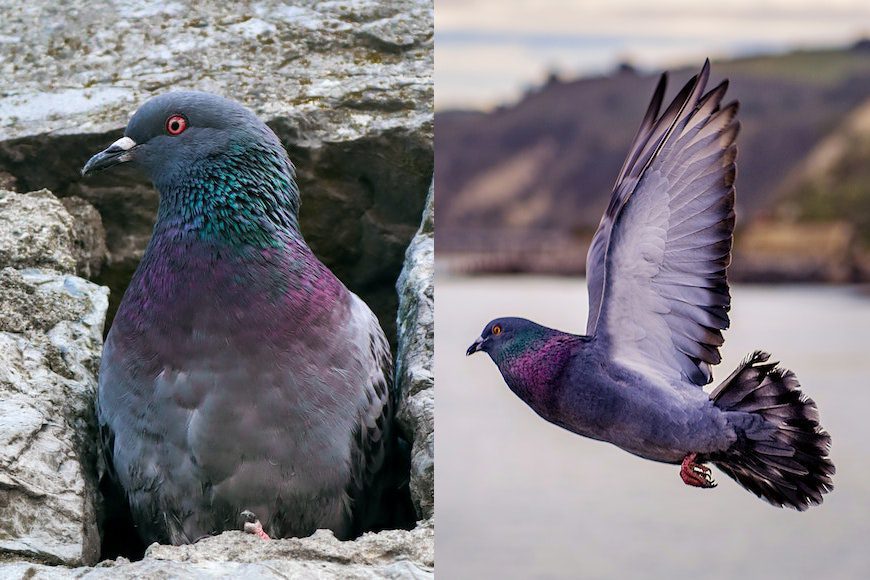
[536,104]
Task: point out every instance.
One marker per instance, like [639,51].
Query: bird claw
[253,525]
[696,474]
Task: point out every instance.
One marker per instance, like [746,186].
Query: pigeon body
[570,381]
[659,300]
[239,373]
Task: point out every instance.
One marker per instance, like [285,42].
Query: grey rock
[51,325]
[39,231]
[35,231]
[414,368]
[391,554]
[349,92]
[50,339]
[83,69]
[89,237]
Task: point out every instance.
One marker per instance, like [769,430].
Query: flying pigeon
[241,382]
[659,300]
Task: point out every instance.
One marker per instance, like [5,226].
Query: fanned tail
[781,454]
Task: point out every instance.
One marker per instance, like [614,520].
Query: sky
[487,52]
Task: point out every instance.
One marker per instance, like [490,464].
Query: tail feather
[784,457]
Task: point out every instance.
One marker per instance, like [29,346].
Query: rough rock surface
[85,68]
[39,231]
[89,237]
[414,367]
[393,554]
[51,325]
[35,231]
[347,86]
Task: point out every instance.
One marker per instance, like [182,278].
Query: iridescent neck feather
[246,196]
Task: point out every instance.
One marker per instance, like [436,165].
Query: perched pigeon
[659,301]
[239,375]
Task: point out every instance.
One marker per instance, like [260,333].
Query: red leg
[695,474]
[253,525]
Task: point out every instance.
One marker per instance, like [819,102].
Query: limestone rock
[51,325]
[333,64]
[414,369]
[35,231]
[39,231]
[89,237]
[392,554]
[49,356]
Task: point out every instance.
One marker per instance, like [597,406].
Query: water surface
[520,498]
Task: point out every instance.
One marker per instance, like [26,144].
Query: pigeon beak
[475,346]
[117,152]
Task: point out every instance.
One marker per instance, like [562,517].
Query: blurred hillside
[523,187]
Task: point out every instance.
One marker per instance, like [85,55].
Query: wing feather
[657,265]
[373,438]
[650,136]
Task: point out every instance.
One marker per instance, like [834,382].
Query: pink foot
[253,525]
[695,474]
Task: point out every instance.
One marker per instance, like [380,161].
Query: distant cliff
[523,187]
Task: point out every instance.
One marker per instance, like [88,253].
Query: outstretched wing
[621,191]
[656,268]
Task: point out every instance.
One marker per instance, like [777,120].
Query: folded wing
[656,268]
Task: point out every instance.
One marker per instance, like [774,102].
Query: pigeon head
[505,335]
[207,156]
[528,355]
[174,130]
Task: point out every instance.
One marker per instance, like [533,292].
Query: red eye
[176,124]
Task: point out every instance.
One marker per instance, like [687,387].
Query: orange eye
[496,329]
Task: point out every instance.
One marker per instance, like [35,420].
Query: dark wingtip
[662,84]
[704,75]
[658,96]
